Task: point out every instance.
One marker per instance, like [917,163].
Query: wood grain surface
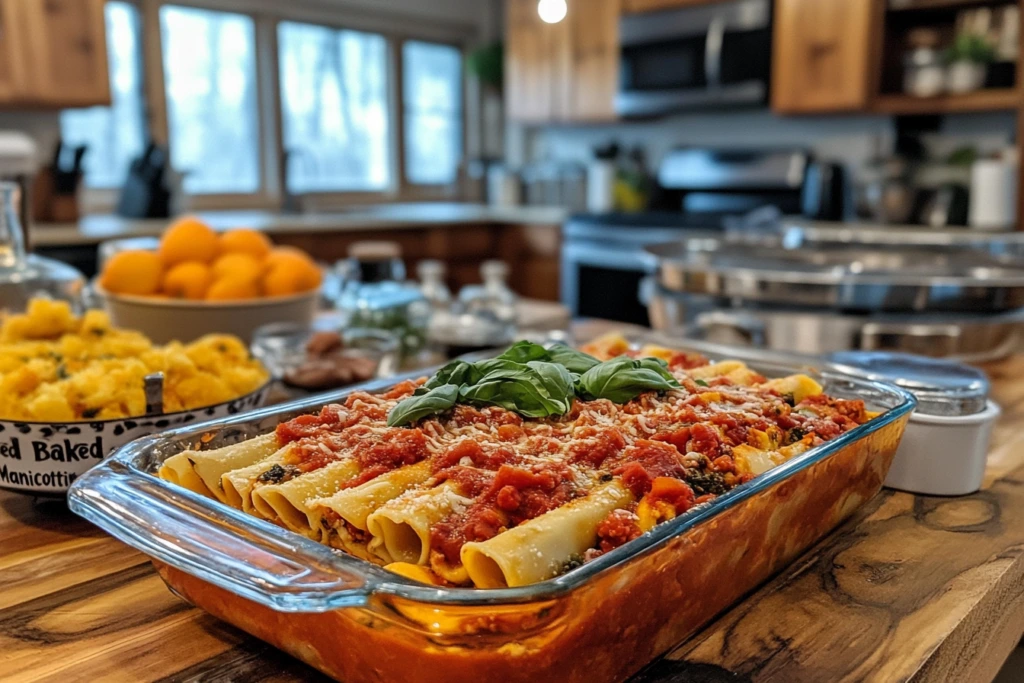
[912,588]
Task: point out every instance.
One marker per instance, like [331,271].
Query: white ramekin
[943,455]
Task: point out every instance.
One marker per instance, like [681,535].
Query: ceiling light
[552,11]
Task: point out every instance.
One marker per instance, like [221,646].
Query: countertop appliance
[701,56]
[603,259]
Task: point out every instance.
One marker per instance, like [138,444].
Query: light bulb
[552,11]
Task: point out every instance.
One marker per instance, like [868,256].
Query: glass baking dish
[600,622]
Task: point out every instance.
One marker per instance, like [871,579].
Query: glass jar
[431,274]
[374,295]
[25,276]
[493,299]
[924,74]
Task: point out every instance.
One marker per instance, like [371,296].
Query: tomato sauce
[618,528]
[686,361]
[505,499]
[704,439]
[394,448]
[464,416]
[597,445]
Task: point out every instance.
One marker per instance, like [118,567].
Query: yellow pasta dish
[56,367]
[512,470]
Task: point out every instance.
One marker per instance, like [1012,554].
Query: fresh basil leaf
[622,379]
[521,396]
[524,352]
[557,381]
[415,408]
[536,389]
[701,383]
[494,368]
[457,372]
[573,360]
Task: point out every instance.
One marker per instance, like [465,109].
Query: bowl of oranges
[199,282]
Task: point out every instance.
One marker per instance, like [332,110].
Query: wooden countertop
[94,229]
[912,587]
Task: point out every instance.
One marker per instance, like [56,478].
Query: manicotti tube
[538,549]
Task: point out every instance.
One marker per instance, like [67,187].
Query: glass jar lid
[942,387]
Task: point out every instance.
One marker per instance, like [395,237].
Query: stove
[605,268]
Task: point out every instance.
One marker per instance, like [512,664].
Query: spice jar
[923,71]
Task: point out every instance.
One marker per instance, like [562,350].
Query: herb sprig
[533,381]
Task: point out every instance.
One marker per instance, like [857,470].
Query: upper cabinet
[562,72]
[53,53]
[821,56]
[13,76]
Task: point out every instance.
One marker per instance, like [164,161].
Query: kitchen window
[209,66]
[245,101]
[432,100]
[334,108]
[114,135]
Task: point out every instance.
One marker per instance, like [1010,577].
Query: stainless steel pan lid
[941,387]
[840,277]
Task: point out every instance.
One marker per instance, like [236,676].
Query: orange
[231,288]
[132,272]
[239,266]
[291,276]
[244,241]
[283,254]
[188,280]
[189,239]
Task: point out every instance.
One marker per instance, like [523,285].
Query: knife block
[50,207]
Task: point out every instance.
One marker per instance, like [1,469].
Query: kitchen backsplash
[850,140]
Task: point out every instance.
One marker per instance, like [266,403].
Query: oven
[710,55]
[700,193]
[605,269]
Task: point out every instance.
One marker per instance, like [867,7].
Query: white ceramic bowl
[43,458]
[943,455]
[164,320]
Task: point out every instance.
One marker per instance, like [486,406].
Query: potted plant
[968,58]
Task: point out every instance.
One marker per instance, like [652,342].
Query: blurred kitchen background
[833,139]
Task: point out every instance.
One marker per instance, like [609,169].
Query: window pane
[114,134]
[210,79]
[432,94]
[334,110]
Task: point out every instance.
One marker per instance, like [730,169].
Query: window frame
[266,16]
[427,191]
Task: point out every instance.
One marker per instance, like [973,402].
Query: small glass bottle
[25,276]
[493,298]
[432,273]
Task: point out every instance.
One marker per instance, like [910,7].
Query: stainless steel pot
[845,278]
[973,338]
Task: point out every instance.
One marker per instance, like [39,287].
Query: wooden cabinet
[529,64]
[13,77]
[594,60]
[562,72]
[821,55]
[53,53]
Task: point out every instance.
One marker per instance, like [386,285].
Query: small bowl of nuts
[322,357]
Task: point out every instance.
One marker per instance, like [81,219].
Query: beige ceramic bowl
[164,320]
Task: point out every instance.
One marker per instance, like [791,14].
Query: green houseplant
[968,58]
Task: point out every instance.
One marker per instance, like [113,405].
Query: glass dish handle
[225,547]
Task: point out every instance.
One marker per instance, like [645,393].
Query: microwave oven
[713,55]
